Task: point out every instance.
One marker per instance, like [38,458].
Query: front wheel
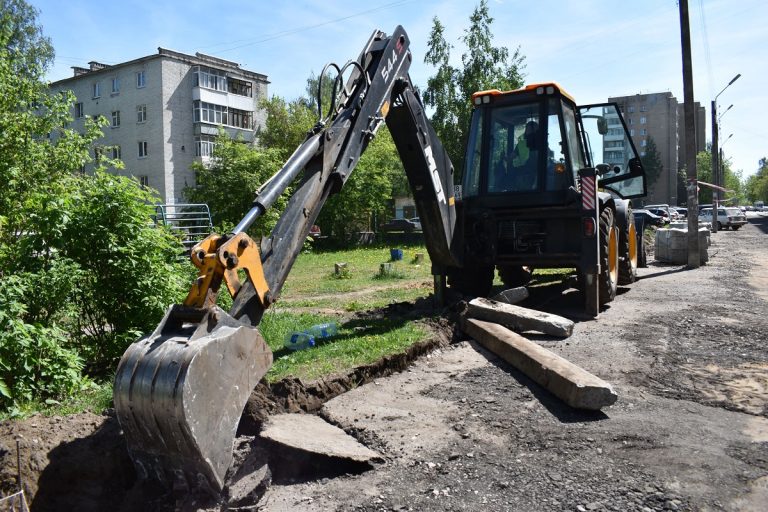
[735,228]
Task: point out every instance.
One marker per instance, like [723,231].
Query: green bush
[34,359]
[133,271]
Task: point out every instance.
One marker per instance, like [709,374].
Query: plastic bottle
[299,340]
[325,330]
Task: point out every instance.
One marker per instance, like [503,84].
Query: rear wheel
[476,281]
[628,251]
[609,264]
[515,275]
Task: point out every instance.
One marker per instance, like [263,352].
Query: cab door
[611,151]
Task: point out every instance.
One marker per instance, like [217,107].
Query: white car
[726,218]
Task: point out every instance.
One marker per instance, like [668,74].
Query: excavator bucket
[179,394]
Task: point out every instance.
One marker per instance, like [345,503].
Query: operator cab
[530,144]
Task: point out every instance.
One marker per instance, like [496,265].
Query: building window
[144,181]
[631,133]
[642,120]
[115,118]
[210,78]
[630,121]
[115,85]
[117,154]
[204,145]
[143,149]
[643,108]
[643,143]
[210,113]
[240,87]
[97,152]
[140,80]
[79,113]
[96,89]
[631,110]
[141,113]
[642,153]
[643,132]
[241,118]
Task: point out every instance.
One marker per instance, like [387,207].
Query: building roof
[97,68]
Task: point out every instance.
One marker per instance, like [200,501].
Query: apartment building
[165,111]
[660,116]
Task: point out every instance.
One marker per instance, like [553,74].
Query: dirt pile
[81,462]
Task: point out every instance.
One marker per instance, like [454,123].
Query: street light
[715,152]
[724,111]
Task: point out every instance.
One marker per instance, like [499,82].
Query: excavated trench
[80,462]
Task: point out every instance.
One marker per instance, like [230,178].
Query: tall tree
[449,91]
[757,184]
[652,163]
[29,52]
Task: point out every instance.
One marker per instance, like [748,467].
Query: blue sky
[593,48]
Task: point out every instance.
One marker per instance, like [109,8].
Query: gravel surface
[461,430]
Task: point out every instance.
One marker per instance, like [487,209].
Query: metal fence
[191,221]
[14,503]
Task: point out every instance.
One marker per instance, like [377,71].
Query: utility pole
[715,166]
[717,174]
[692,185]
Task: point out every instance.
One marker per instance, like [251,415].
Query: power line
[277,35]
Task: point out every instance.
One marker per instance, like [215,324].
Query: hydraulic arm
[179,392]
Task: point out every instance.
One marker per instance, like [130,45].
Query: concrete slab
[313,435]
[518,318]
[512,295]
[572,384]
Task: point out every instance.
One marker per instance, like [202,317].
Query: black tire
[735,228]
[515,275]
[475,281]
[609,275]
[609,256]
[628,250]
[719,226]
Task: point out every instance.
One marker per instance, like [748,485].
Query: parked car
[726,218]
[682,212]
[416,222]
[650,219]
[660,212]
[671,212]
[405,225]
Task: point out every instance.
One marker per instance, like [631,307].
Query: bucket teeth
[179,394]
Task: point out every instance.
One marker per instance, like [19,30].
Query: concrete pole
[694,260]
[715,166]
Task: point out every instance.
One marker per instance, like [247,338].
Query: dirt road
[684,349]
[460,430]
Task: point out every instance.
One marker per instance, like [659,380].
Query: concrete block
[519,318]
[573,385]
[512,295]
[313,435]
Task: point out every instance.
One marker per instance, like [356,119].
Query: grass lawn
[313,284]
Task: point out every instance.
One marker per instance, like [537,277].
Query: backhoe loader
[180,391]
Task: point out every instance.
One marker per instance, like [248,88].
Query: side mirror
[635,167]
[602,126]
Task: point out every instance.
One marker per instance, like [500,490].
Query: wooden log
[518,318]
[572,384]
